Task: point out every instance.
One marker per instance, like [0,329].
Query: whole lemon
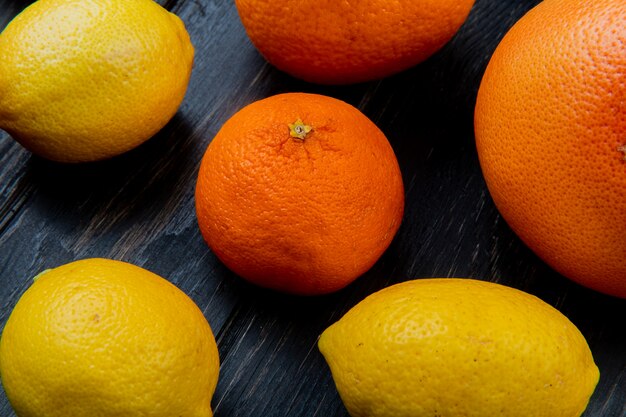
[458,347]
[105,338]
[84,80]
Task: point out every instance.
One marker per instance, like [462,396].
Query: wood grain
[139,208]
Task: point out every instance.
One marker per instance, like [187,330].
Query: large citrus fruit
[300,193]
[338,42]
[550,130]
[87,80]
[458,348]
[105,338]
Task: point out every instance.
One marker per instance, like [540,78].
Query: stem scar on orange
[301,193]
[550,131]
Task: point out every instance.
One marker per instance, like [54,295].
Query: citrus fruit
[299,192]
[105,338]
[341,42]
[550,125]
[458,347]
[87,80]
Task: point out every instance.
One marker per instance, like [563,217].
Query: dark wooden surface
[139,208]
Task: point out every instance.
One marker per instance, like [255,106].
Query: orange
[299,192]
[88,80]
[550,128]
[340,42]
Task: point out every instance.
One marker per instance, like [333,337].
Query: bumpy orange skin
[305,216]
[340,42]
[550,122]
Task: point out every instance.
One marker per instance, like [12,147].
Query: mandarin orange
[342,42]
[550,128]
[299,192]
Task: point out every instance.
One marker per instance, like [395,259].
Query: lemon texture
[458,347]
[102,338]
[83,80]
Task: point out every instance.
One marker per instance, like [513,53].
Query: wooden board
[140,208]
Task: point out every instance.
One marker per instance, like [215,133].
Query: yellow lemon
[458,347]
[83,80]
[105,338]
